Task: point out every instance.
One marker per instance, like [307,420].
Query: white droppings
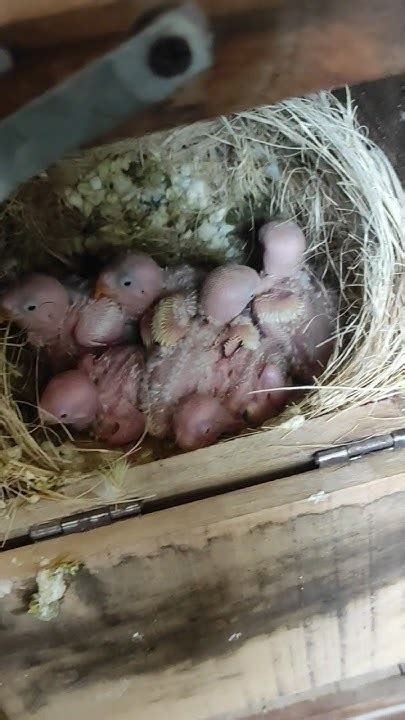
[234,637]
[6,587]
[293,423]
[137,636]
[318,497]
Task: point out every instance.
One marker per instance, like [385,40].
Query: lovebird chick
[284,245]
[205,365]
[100,395]
[136,281]
[62,318]
[226,291]
[303,320]
[199,420]
[229,289]
[294,308]
[174,372]
[252,391]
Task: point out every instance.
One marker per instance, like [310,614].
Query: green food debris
[51,587]
[158,204]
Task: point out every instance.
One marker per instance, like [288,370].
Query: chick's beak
[101,290]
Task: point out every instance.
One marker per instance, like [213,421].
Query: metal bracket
[175,47]
[87,520]
[344,454]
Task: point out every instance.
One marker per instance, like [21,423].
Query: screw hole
[169,56]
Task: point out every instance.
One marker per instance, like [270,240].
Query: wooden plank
[218,608]
[264,455]
[347,700]
[12,12]
[264,50]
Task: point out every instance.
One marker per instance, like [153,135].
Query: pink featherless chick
[284,245]
[136,281]
[42,306]
[251,390]
[62,318]
[173,372]
[100,322]
[100,395]
[294,308]
[229,289]
[205,385]
[226,292]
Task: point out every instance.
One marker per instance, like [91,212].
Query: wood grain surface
[245,460]
[220,608]
[358,699]
[264,50]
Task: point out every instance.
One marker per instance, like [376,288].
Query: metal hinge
[343,454]
[98,517]
[87,520]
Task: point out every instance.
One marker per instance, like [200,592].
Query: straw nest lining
[188,194]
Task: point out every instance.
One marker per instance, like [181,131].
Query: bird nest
[198,194]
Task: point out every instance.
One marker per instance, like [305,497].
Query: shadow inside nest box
[90,265]
[249,234]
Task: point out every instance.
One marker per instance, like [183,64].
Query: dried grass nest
[189,194]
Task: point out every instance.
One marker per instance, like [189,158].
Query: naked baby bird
[62,317]
[135,281]
[100,395]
